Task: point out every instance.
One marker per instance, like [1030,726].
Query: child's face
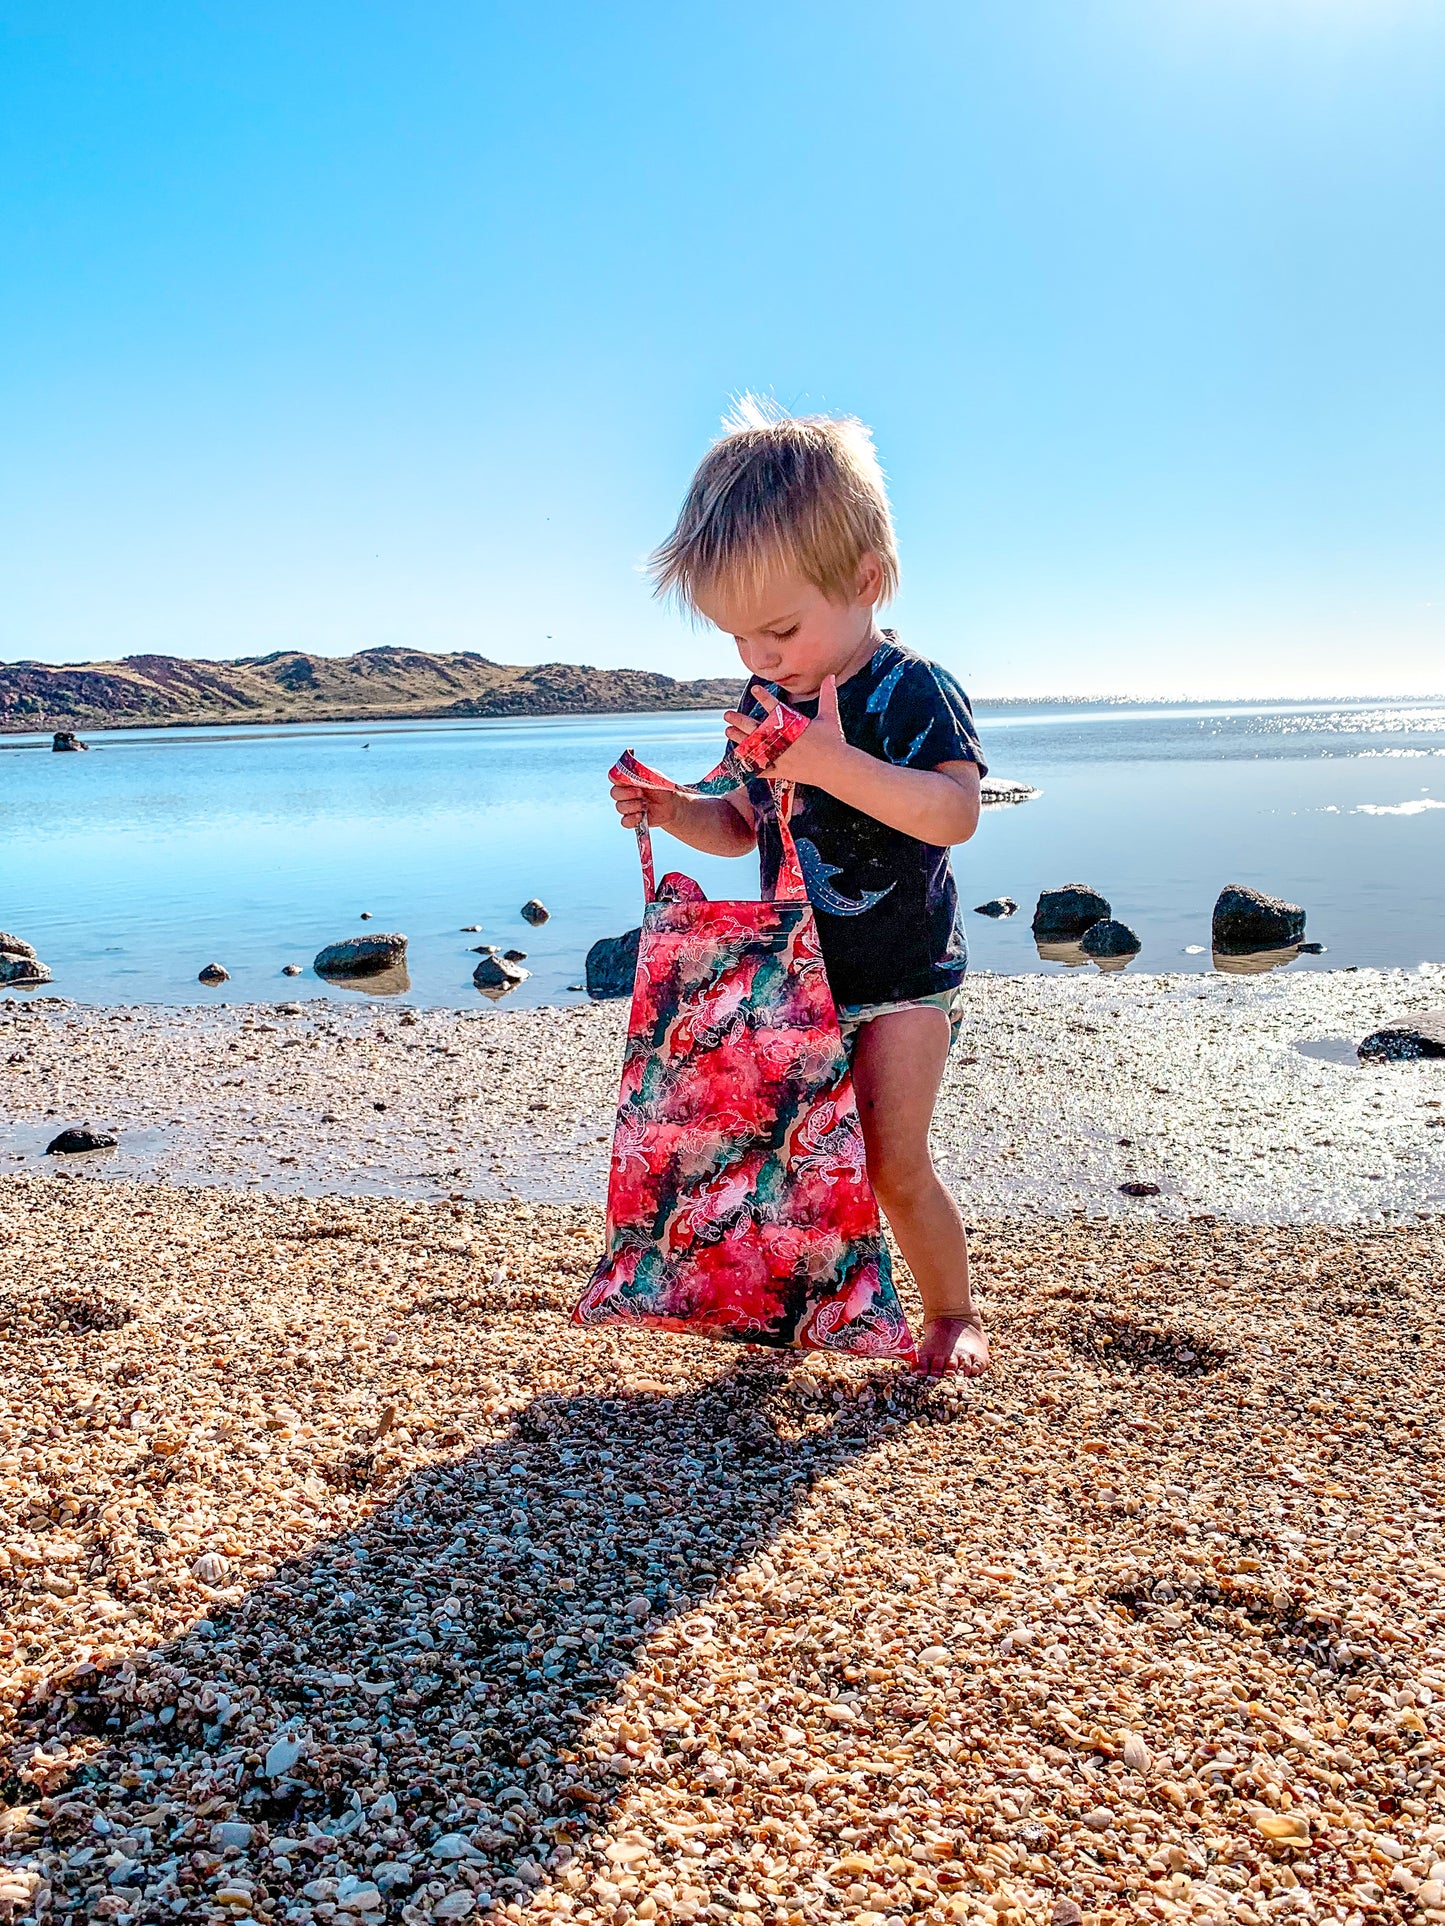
[791,634]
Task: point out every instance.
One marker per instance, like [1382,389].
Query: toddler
[785,542]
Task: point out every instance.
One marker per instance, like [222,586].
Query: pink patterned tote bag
[739,1204]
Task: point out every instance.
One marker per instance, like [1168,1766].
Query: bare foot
[953,1344]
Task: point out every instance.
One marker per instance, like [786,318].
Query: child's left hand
[818,753]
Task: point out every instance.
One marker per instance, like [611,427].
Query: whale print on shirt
[818,876]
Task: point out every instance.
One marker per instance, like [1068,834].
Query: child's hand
[818,753]
[659,806]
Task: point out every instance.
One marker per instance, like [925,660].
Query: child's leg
[898,1064]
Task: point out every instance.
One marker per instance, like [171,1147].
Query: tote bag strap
[738,766]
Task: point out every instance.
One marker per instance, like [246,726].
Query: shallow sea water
[160,850]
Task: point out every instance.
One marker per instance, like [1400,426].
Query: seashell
[1285,1827]
[1136,1754]
[210,1568]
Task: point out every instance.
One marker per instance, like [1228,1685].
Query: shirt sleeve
[927,720]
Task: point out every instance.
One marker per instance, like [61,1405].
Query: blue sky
[334,325]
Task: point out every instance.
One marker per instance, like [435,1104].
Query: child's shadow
[501,1594]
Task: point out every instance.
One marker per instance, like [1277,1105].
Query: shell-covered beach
[346,1579]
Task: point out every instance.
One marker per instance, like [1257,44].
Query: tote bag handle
[738,766]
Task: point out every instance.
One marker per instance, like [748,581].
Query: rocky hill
[143,691]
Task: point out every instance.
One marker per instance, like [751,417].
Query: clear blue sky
[339,323]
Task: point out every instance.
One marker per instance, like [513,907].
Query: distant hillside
[155,690]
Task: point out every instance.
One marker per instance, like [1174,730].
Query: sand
[345,1579]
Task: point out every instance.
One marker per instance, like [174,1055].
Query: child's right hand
[659,806]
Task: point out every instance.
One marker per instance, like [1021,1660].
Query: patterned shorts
[852,1016]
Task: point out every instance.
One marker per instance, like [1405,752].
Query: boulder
[1407,1039]
[611,966]
[534,912]
[360,956]
[1108,938]
[15,945]
[494,975]
[214,973]
[71,1143]
[1063,914]
[290,969]
[65,740]
[996,906]
[1246,919]
[20,968]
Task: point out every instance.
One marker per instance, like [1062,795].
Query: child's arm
[718,824]
[938,806]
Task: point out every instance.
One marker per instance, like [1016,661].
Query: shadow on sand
[451,1648]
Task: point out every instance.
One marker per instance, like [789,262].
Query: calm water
[161,850]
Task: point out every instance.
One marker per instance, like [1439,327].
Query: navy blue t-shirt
[886,903]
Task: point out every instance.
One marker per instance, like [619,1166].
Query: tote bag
[738,1202]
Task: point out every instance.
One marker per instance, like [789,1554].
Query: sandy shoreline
[1062,1089]
[346,1579]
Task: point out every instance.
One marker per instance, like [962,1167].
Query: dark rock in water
[515,956]
[1313,949]
[16,946]
[534,912]
[214,973]
[1109,938]
[1062,915]
[471,929]
[611,966]
[996,906]
[1406,1040]
[291,969]
[21,968]
[64,741]
[999,789]
[71,1143]
[495,976]
[1246,919]
[1139,1190]
[360,956]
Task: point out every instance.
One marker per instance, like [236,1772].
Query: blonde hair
[804,493]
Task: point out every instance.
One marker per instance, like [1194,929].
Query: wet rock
[65,742]
[612,965]
[74,1142]
[214,973]
[361,956]
[291,969]
[1313,949]
[1246,919]
[1108,938]
[20,969]
[1000,789]
[1407,1039]
[1139,1189]
[1062,915]
[996,906]
[232,1832]
[534,912]
[15,945]
[515,956]
[495,976]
